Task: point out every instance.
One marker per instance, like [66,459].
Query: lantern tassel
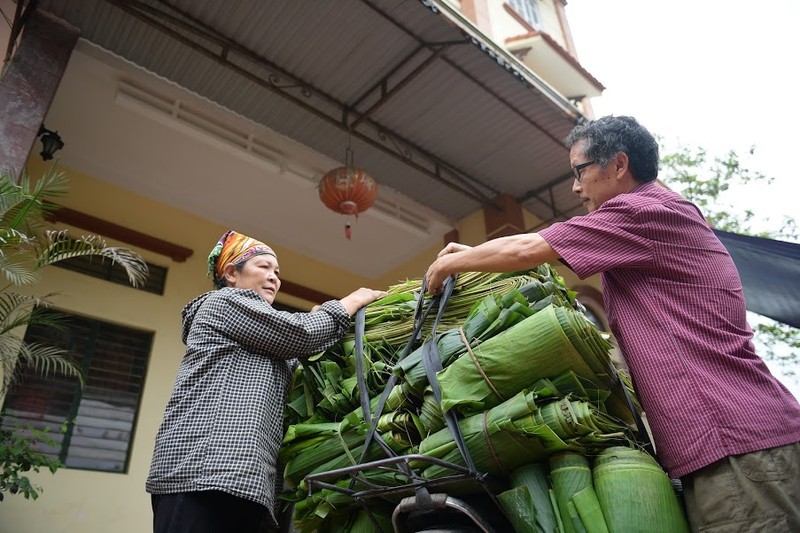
[348,231]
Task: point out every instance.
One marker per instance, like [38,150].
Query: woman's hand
[359,298]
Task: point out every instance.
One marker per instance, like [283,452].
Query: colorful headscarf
[234,248]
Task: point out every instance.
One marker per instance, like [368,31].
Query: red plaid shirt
[675,304]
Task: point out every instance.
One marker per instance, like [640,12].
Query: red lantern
[349,191]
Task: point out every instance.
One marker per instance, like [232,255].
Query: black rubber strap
[433,363]
[420,314]
[360,320]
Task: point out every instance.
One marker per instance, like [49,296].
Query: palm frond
[14,239]
[44,360]
[17,270]
[59,246]
[11,194]
[20,212]
[23,206]
[9,350]
[52,184]
[15,309]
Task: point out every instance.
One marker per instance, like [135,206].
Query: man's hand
[437,272]
[503,254]
[453,247]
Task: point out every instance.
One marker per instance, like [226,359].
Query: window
[102,268]
[528,10]
[114,361]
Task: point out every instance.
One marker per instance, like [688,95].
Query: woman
[214,463]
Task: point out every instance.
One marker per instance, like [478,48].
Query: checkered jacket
[223,425]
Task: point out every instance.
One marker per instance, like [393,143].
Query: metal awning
[178,100]
[433,109]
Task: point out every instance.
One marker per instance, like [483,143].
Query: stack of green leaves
[532,346]
[519,431]
[546,344]
[620,489]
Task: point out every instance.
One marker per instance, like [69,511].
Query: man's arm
[505,254]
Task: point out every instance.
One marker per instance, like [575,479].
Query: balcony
[543,55]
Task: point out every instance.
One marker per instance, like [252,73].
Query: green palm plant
[26,247]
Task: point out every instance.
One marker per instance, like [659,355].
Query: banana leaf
[570,473]
[487,318]
[533,478]
[518,506]
[538,347]
[518,432]
[635,494]
[543,416]
[325,510]
[589,510]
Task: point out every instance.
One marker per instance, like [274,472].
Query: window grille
[103,414]
[102,268]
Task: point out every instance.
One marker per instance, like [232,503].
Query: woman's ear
[229,274]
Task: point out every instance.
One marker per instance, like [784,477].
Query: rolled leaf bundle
[589,510]
[571,476]
[518,506]
[635,494]
[487,318]
[518,432]
[532,478]
[537,347]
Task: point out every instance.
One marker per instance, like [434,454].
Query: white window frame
[528,10]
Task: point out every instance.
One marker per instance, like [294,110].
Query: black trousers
[208,512]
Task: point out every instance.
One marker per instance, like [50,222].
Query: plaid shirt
[675,304]
[223,425]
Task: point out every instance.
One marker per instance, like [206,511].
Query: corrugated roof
[470,123]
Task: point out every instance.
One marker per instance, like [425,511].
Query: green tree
[706,181]
[26,247]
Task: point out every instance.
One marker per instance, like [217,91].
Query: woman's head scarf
[233,248]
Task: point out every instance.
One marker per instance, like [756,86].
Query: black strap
[362,389]
[420,314]
[433,364]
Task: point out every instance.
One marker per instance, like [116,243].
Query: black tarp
[770,272]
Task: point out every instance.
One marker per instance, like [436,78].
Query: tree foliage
[19,454]
[704,180]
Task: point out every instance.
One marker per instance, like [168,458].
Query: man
[720,421]
[214,466]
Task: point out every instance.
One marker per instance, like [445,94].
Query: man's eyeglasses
[577,169]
